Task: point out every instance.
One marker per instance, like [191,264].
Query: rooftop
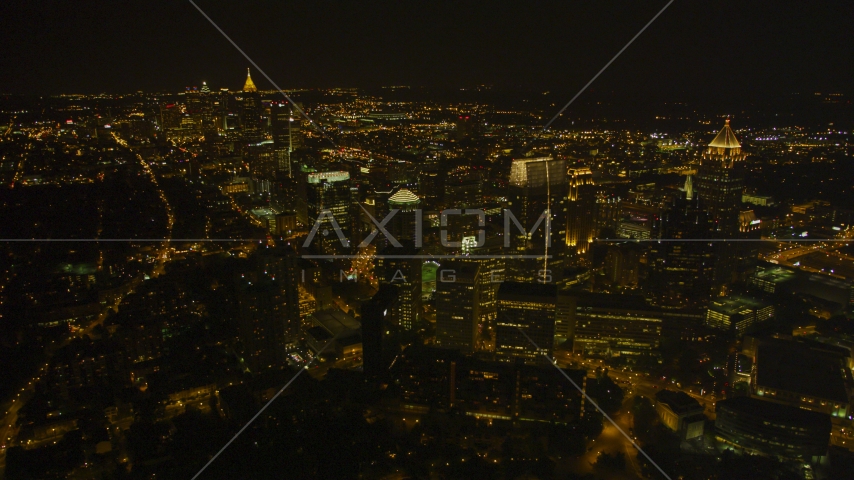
[776,274]
[610,301]
[328,176]
[459,270]
[404,196]
[679,402]
[525,291]
[774,412]
[796,367]
[725,138]
[734,304]
[335,322]
[537,171]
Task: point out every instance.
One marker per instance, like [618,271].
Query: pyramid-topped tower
[725,138]
[724,149]
[719,182]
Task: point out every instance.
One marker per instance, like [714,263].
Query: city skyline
[545,241]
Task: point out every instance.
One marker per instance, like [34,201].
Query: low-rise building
[680,413]
[768,428]
[335,326]
[802,376]
[769,279]
[737,313]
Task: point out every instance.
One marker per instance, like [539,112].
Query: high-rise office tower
[407,222]
[208,112]
[287,134]
[720,180]
[170,116]
[329,203]
[719,186]
[402,267]
[530,308]
[466,126]
[747,253]
[281,264]
[224,102]
[537,192]
[622,264]
[193,105]
[402,174]
[250,114]
[431,184]
[492,260]
[464,189]
[457,305]
[377,354]
[581,210]
[683,271]
[538,184]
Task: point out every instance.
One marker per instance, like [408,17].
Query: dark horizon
[725,50]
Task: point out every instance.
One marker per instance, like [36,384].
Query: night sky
[696,49]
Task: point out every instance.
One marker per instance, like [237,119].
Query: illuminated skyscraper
[622,264]
[406,223]
[431,183]
[720,181]
[537,185]
[287,135]
[251,112]
[329,202]
[208,112]
[581,210]
[465,126]
[719,186]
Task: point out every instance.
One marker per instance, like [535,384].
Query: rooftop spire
[725,138]
[249,86]
[689,188]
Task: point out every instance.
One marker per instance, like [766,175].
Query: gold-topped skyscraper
[720,182]
[719,185]
[249,86]
[581,210]
[251,112]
